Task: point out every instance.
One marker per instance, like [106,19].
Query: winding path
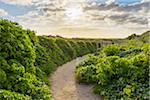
[64,86]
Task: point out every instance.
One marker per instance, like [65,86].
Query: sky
[79,18]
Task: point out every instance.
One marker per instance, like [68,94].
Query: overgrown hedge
[8,95]
[119,72]
[26,60]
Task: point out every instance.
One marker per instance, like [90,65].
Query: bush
[82,48]
[8,95]
[17,64]
[75,47]
[53,50]
[3,77]
[15,44]
[111,50]
[67,49]
[26,60]
[118,77]
[44,61]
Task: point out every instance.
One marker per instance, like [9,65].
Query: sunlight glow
[74,13]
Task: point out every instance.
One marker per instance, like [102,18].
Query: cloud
[134,13]
[129,19]
[117,7]
[59,10]
[18,2]
[108,2]
[3,13]
[53,9]
[93,17]
[135,7]
[101,7]
[145,1]
[30,15]
[53,12]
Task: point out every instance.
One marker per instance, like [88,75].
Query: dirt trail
[64,86]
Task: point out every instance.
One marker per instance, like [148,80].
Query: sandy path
[64,86]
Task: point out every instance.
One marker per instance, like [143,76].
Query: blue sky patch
[15,10]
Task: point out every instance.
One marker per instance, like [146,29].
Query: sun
[74,13]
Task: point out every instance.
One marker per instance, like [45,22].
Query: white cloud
[18,2]
[51,15]
[108,2]
[114,13]
[30,14]
[145,1]
[3,12]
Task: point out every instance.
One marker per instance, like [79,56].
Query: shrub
[118,77]
[111,50]
[26,60]
[82,48]
[44,61]
[68,51]
[53,50]
[17,59]
[15,44]
[8,95]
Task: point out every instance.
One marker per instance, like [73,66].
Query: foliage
[145,37]
[15,44]
[53,50]
[118,72]
[43,61]
[111,50]
[61,50]
[26,60]
[17,64]
[8,95]
[67,49]
[82,48]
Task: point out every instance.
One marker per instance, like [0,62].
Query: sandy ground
[64,86]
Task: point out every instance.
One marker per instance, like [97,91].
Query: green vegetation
[61,50]
[26,60]
[145,37]
[8,95]
[119,72]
